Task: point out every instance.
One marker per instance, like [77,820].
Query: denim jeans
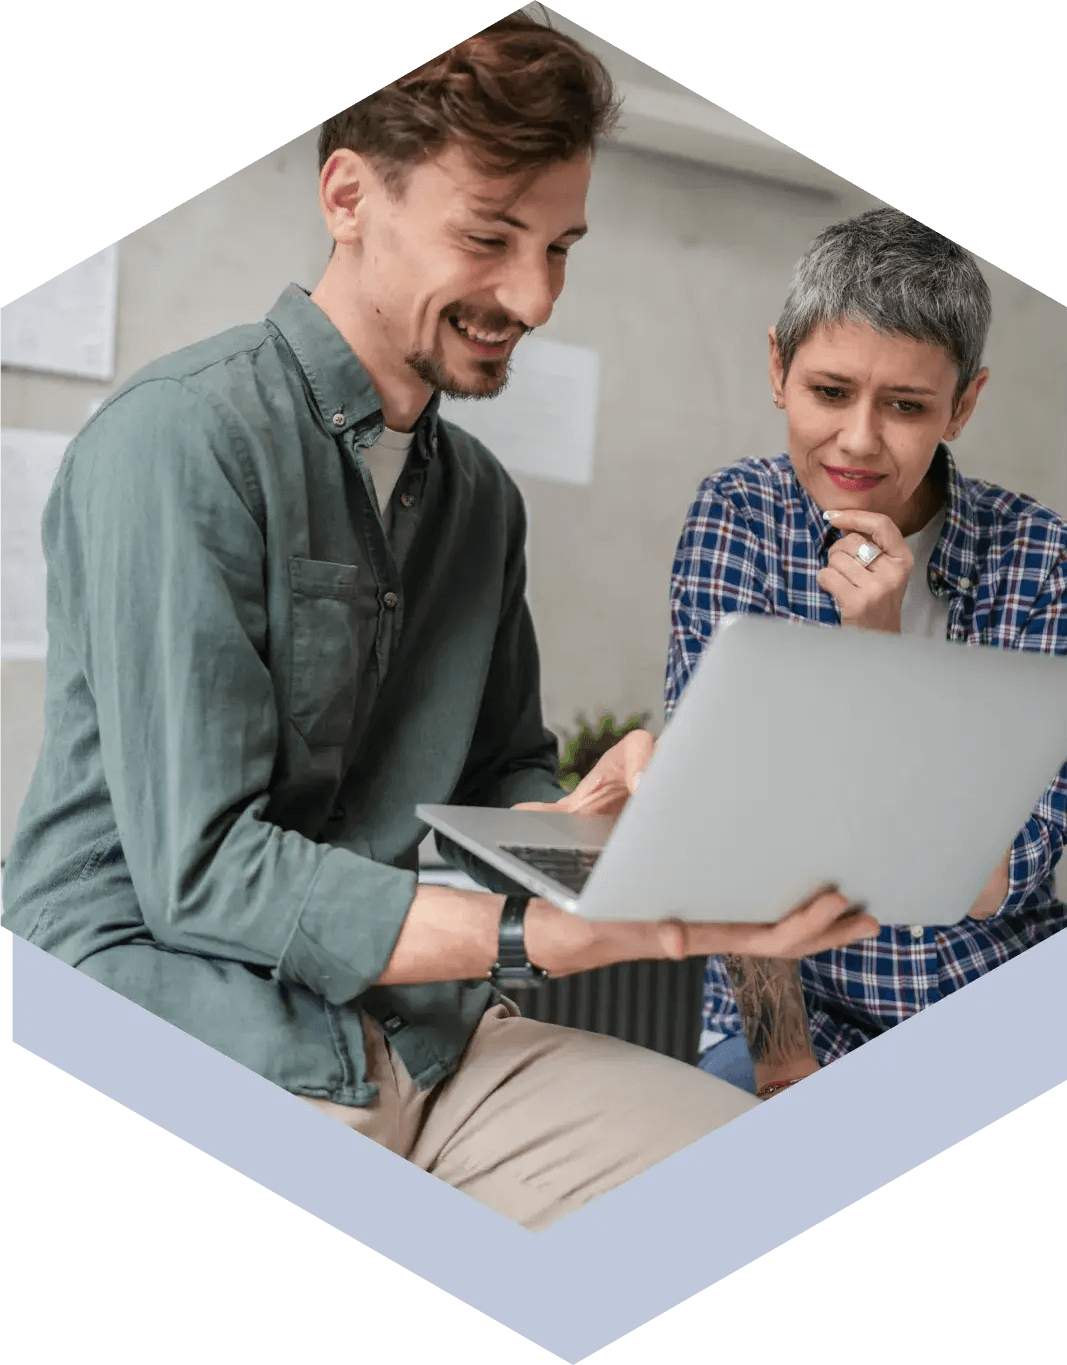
[729,1060]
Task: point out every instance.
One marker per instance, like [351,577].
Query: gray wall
[684,269]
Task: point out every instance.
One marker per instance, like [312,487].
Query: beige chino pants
[539,1119]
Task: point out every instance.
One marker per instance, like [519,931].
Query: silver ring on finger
[867,553]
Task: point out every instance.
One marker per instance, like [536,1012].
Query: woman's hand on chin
[868,595]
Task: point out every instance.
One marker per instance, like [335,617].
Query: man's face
[865,413]
[458,266]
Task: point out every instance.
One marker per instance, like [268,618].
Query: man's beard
[492,381]
[493,375]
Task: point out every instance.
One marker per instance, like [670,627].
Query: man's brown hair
[517,96]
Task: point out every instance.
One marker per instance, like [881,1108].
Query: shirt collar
[341,389]
[954,559]
[820,530]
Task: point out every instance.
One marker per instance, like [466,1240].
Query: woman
[876,362]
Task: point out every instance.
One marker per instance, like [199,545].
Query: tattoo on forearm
[771,1001]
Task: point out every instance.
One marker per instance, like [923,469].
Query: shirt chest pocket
[334,615]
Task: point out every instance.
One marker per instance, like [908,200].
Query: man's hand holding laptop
[825,921]
[451,934]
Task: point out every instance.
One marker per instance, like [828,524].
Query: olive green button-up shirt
[251,684]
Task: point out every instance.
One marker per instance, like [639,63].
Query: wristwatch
[512,967]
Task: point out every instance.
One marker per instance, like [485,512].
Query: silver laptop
[897,768]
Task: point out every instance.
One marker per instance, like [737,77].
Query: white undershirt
[385,460]
[921,613]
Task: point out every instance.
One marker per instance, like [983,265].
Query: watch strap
[512,966]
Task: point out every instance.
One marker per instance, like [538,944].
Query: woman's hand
[869,597]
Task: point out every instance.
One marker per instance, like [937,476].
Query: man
[286,602]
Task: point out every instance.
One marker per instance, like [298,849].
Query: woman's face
[865,413]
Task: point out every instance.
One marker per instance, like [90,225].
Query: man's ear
[343,184]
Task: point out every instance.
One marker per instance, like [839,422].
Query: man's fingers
[770,940]
[827,921]
[607,788]
[638,756]
[850,927]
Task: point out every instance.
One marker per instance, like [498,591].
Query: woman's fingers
[849,567]
[874,526]
[868,595]
[833,581]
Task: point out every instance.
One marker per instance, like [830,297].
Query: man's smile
[483,341]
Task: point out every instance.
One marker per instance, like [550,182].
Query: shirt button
[966,583]
[338,419]
[917,931]
[390,599]
[407,500]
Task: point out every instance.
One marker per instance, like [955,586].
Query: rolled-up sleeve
[161,549]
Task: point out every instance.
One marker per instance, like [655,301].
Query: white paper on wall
[28,464]
[66,326]
[544,423]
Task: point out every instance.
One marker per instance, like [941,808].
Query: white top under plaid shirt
[754,541]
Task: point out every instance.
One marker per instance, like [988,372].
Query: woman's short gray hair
[902,278]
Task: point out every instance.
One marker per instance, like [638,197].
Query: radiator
[653,1004]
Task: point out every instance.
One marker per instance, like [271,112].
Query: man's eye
[560,251]
[488,241]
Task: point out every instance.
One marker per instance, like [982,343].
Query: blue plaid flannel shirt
[754,541]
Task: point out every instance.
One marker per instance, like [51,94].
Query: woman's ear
[961,414]
[774,371]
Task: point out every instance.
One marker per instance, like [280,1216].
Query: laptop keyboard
[568,866]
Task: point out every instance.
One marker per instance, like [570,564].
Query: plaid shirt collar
[954,561]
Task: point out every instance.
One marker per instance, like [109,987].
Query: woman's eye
[903,405]
[487,241]
[829,391]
